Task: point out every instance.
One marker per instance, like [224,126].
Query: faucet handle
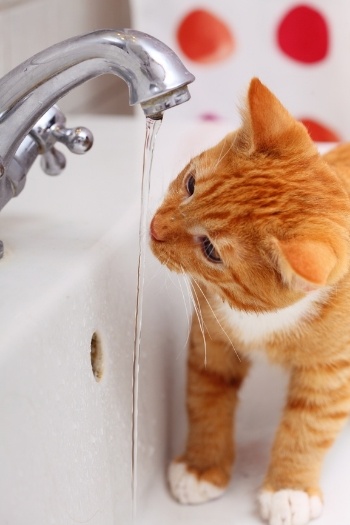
[78,140]
[52,162]
[51,129]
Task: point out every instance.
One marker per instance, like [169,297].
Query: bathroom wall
[28,26]
[298,49]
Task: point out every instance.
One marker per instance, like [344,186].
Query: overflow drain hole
[96,355]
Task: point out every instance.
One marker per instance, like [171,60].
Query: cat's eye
[210,251]
[190,184]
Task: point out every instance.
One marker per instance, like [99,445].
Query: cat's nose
[155,230]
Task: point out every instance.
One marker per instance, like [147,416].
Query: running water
[152,127]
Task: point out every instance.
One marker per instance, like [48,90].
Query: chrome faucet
[30,124]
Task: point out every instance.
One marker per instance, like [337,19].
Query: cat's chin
[165,259]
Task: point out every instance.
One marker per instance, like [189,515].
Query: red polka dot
[319,132]
[204,38]
[303,35]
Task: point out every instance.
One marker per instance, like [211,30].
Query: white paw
[289,507]
[187,488]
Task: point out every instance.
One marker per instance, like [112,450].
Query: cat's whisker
[198,303]
[187,312]
[171,275]
[169,278]
[217,320]
[202,323]
[222,156]
[198,313]
[166,285]
[154,274]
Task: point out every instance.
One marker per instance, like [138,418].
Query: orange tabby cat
[261,223]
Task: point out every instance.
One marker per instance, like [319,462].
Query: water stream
[152,127]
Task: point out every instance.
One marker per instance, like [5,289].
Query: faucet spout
[156,78]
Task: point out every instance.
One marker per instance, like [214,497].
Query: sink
[68,295]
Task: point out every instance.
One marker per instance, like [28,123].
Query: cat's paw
[289,507]
[189,487]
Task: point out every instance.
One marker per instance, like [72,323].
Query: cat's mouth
[166,252]
[168,255]
[167,259]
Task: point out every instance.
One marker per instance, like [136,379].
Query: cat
[261,222]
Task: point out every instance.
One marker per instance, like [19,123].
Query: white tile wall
[3,46]
[28,26]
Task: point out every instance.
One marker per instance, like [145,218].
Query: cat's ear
[307,265]
[270,127]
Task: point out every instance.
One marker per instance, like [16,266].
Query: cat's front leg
[317,407]
[214,376]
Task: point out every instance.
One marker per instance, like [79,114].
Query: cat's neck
[257,328]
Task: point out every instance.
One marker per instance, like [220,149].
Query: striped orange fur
[261,223]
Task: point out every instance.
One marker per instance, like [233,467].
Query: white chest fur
[257,327]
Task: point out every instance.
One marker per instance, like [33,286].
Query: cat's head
[260,218]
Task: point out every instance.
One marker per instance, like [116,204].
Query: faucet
[31,123]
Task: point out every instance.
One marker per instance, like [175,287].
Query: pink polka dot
[210,117]
[319,132]
[303,35]
[204,38]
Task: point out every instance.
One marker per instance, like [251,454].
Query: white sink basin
[69,273]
